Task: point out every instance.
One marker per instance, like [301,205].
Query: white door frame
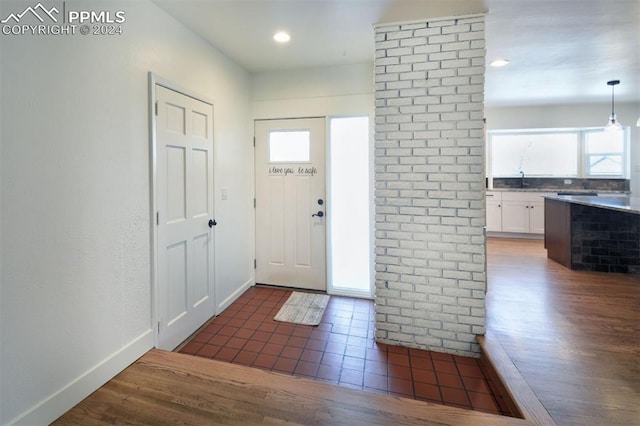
[154,80]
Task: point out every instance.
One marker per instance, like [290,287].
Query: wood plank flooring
[573,336]
[172,388]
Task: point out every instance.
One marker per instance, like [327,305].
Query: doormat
[303,308]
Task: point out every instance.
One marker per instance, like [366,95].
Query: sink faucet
[522,183]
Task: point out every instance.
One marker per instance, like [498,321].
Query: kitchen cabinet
[494,211]
[520,212]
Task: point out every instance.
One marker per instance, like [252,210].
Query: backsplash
[558,183]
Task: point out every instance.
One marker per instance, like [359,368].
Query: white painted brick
[412,93]
[438,73]
[477,44]
[399,184]
[443,39]
[391,44]
[388,60]
[402,68]
[386,77]
[412,75]
[427,32]
[443,334]
[416,41]
[381,94]
[399,85]
[415,143]
[398,102]
[429,151]
[455,63]
[394,35]
[441,90]
[425,118]
[426,66]
[428,48]
[413,109]
[471,88]
[471,53]
[455,81]
[456,29]
[413,26]
[451,99]
[478,70]
[400,51]
[443,56]
[469,106]
[441,125]
[461,45]
[381,111]
[387,28]
[412,59]
[457,345]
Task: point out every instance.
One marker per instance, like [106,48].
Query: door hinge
[254,141]
[156,107]
[254,203]
[255,263]
[157,218]
[158,327]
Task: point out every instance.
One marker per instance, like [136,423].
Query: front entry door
[290,203]
[184,193]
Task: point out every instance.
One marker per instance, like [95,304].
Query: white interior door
[290,203]
[184,194]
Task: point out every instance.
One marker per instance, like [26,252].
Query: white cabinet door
[536,217]
[494,216]
[494,211]
[515,216]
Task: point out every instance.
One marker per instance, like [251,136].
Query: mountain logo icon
[39,11]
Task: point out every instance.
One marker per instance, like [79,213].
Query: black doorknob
[319,214]
[212,223]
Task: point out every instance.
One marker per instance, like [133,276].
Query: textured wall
[430,246]
[76,295]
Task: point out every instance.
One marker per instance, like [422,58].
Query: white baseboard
[229,300]
[58,403]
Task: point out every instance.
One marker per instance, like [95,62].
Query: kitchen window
[579,153]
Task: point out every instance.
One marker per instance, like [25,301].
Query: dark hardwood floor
[572,337]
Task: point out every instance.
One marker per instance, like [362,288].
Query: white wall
[550,116]
[338,90]
[75,280]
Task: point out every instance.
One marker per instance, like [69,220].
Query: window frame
[582,155]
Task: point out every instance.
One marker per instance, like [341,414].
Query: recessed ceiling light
[281,37]
[499,63]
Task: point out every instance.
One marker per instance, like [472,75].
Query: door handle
[319,214]
[212,223]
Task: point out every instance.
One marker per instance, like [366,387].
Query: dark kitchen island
[593,233]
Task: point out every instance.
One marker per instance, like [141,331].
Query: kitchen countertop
[554,190]
[624,204]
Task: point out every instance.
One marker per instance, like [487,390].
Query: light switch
[225,193]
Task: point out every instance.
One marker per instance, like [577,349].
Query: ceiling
[560,51]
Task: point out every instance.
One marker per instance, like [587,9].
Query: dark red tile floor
[341,350]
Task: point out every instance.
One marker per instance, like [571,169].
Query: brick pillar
[430,213]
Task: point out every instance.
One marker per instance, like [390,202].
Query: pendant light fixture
[613,123]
